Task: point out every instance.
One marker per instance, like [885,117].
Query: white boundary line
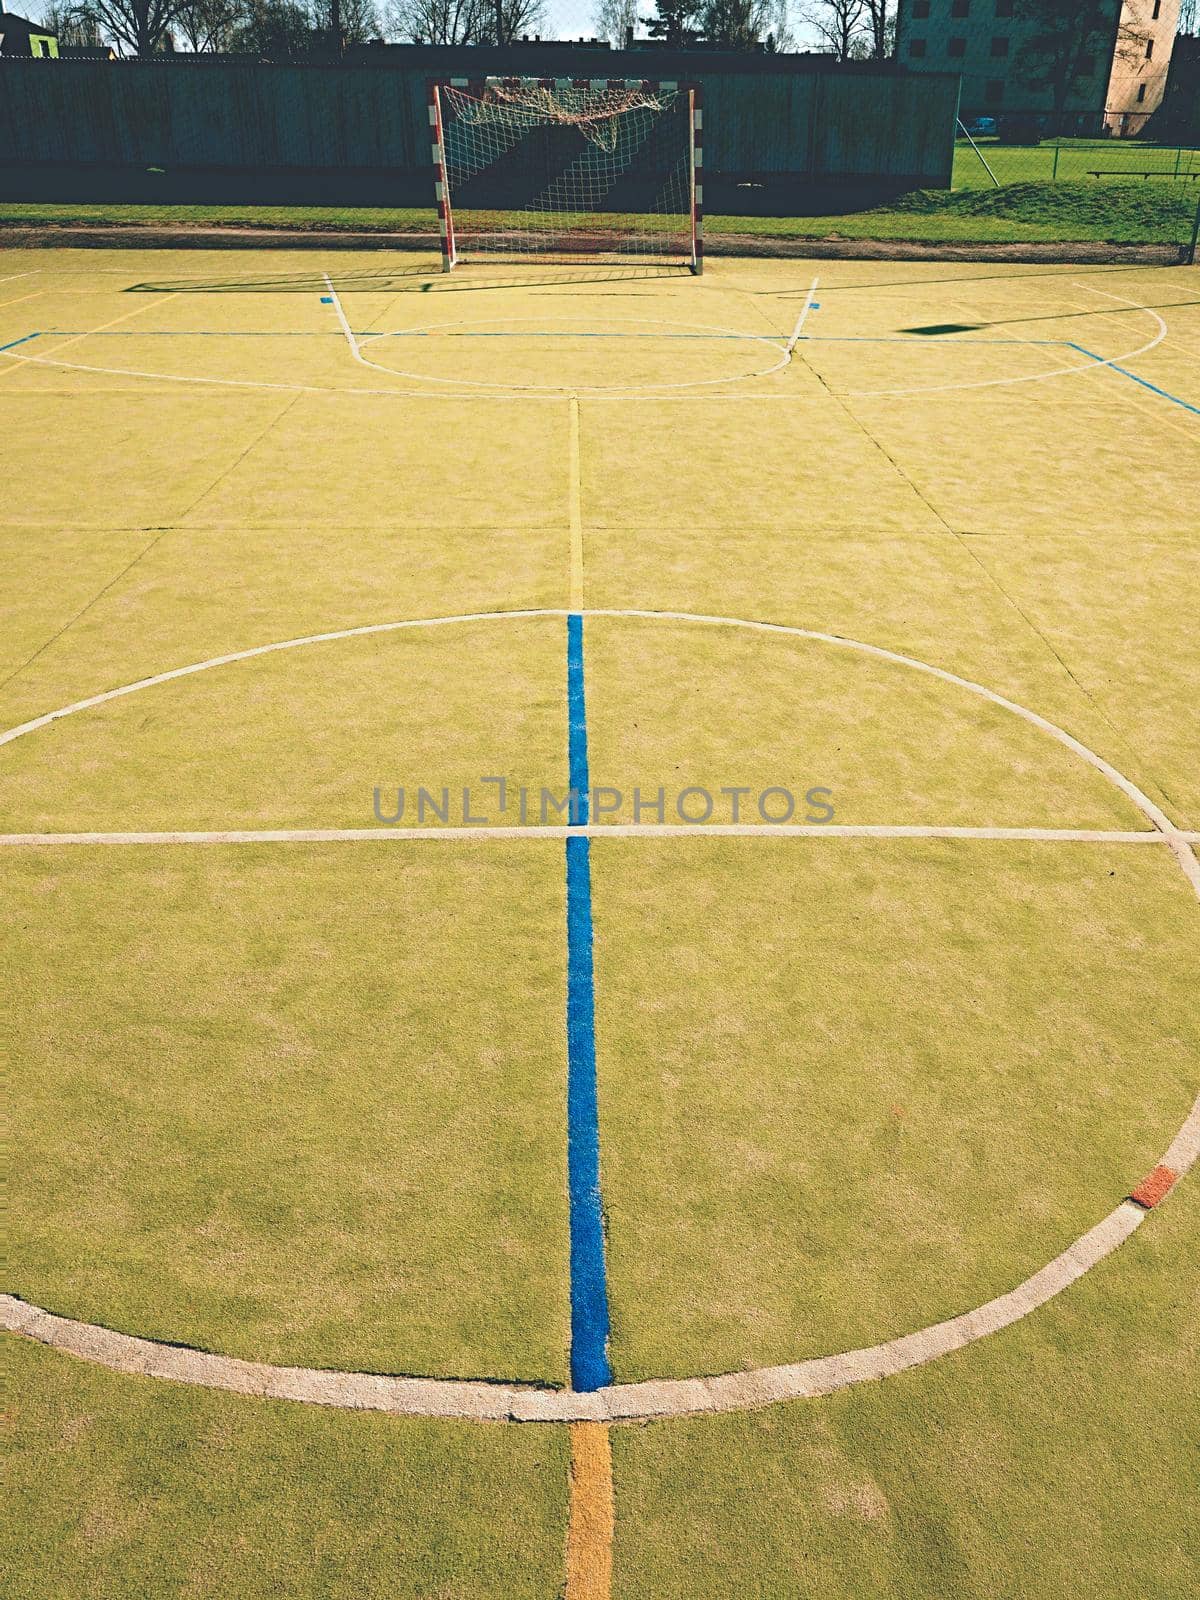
[631,395]
[562,389]
[1140,800]
[344,321]
[809,301]
[623,1402]
[554,397]
[1030,377]
[552,391]
[600,830]
[655,1397]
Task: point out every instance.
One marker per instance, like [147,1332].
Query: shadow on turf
[936,328]
[1049,271]
[403,280]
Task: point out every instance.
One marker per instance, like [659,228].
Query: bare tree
[69,23]
[881,24]
[433,21]
[1066,39]
[515,18]
[673,22]
[338,23]
[614,19]
[840,24]
[209,24]
[462,21]
[139,26]
[1188,17]
[277,29]
[744,24]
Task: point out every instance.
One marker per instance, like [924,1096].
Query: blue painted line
[24,340]
[1125,373]
[577,756]
[589,1288]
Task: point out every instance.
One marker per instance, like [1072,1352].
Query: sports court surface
[738,1163]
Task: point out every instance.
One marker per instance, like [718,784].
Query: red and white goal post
[568,169]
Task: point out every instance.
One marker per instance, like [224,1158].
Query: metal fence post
[1178,158]
[1054,171]
[978,152]
[1190,258]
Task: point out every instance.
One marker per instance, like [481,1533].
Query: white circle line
[559,389]
[1030,377]
[433,1397]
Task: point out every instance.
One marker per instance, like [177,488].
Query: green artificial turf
[124,1488]
[851,1088]
[1115,211]
[295,1103]
[1055,1459]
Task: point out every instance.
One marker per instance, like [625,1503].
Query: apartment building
[1117,83]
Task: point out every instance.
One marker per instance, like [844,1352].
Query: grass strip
[1119,212]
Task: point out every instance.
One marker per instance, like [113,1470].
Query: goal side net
[568,169]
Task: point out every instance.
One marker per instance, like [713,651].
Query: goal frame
[695,124]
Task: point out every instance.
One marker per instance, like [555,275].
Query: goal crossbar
[568,168]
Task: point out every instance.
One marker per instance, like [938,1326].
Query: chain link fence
[987,155]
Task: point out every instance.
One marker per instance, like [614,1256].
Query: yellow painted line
[576,512]
[103,328]
[21,298]
[590,1531]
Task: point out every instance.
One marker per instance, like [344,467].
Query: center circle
[775,630]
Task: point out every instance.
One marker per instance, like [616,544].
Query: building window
[920,8]
[1141,92]
[1000,45]
[1154,15]
[1149,48]
[993,91]
[956,47]
[960,8]
[1004,8]
[916,47]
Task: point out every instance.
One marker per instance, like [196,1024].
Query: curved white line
[654,1397]
[623,1402]
[1032,377]
[556,398]
[1141,800]
[561,389]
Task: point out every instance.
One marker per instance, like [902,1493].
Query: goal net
[568,169]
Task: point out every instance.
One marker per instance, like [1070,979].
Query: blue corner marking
[16,342]
[589,1288]
[326,299]
[1125,373]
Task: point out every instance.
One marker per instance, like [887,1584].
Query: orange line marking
[1155,1188]
[590,1530]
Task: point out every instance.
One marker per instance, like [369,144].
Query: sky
[575,19]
